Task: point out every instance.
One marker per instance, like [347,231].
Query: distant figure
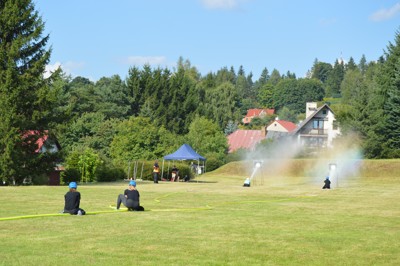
[156,171]
[130,198]
[72,200]
[327,183]
[174,174]
[187,178]
[246,182]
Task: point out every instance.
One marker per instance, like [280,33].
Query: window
[318,124]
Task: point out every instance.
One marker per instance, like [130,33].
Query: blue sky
[97,38]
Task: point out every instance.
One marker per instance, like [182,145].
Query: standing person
[72,200]
[130,198]
[156,171]
[327,183]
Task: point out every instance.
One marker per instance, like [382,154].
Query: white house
[319,128]
[279,128]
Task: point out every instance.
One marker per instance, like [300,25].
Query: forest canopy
[153,111]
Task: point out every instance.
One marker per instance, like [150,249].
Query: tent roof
[185,152]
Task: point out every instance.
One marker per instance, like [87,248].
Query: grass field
[280,220]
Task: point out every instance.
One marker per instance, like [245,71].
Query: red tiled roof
[287,124]
[40,141]
[246,139]
[257,112]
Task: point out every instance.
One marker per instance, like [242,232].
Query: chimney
[311,107]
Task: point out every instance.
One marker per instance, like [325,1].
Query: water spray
[256,166]
[333,173]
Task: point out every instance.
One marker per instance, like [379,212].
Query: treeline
[107,123]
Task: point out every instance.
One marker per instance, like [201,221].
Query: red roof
[287,124]
[40,141]
[258,112]
[255,113]
[246,139]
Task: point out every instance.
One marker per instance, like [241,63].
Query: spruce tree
[24,93]
[390,82]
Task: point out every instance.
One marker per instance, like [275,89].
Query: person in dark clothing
[72,200]
[327,183]
[130,198]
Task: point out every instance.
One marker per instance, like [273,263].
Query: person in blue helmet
[327,183]
[72,200]
[246,182]
[130,198]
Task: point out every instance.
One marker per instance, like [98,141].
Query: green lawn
[285,220]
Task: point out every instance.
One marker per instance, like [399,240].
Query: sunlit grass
[215,221]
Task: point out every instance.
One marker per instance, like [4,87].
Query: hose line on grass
[207,207]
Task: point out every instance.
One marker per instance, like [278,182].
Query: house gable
[44,142]
[281,126]
[318,129]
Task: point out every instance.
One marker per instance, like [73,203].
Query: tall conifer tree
[391,90]
[24,93]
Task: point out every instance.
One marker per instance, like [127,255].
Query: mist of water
[273,163]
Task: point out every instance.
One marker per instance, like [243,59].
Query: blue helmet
[73,185]
[327,178]
[132,183]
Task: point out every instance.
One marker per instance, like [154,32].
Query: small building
[319,128]
[280,128]
[46,143]
[251,113]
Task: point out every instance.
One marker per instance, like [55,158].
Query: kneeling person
[130,198]
[72,200]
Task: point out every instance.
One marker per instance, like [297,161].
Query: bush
[40,179]
[70,175]
[213,163]
[165,172]
[238,155]
[105,174]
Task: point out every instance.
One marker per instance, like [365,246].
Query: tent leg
[141,173]
[162,170]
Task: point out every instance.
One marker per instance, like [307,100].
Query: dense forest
[151,112]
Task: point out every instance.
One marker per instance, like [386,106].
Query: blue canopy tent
[185,152]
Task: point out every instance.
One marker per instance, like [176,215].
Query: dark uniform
[131,201]
[72,201]
[327,184]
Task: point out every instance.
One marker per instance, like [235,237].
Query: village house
[279,128]
[317,131]
[251,113]
[46,143]
[319,128]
